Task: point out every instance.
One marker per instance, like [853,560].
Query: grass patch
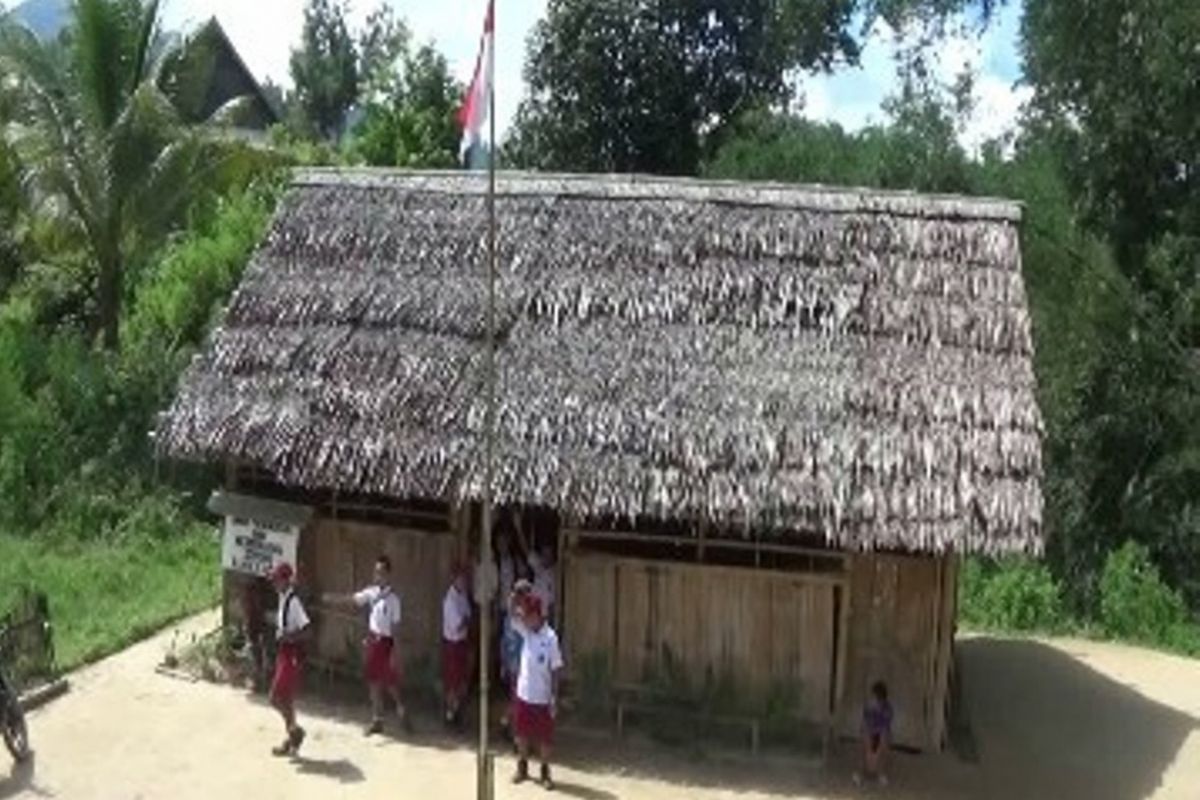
[105,595]
[1019,595]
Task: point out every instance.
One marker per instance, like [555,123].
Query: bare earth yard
[1057,719]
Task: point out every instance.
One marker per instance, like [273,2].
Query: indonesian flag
[474,111]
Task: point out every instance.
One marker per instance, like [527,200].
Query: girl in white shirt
[456,648]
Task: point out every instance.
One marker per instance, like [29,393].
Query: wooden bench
[644,700]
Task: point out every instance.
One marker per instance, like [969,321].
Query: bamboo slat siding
[898,634]
[343,557]
[757,629]
[847,362]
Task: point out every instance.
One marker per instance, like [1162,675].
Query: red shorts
[455,656]
[379,667]
[286,682]
[533,723]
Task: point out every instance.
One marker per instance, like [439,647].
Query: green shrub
[1135,604]
[1015,594]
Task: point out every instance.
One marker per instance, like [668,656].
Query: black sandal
[547,781]
[522,771]
[296,738]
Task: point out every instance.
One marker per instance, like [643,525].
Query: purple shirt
[877,717]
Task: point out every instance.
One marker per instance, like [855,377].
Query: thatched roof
[855,364]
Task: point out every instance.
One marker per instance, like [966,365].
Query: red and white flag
[475,108]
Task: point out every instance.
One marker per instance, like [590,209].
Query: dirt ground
[1059,719]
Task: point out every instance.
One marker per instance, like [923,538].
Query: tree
[1117,81]
[325,69]
[1115,88]
[647,85]
[382,48]
[102,145]
[416,125]
[11,205]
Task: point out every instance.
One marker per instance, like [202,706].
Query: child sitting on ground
[877,734]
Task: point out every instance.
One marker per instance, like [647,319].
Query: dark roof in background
[230,78]
[847,363]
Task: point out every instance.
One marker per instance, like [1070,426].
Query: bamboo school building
[760,423]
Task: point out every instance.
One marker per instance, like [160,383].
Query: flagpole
[486,784]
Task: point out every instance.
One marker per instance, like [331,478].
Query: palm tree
[101,143]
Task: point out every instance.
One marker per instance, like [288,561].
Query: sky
[264,31]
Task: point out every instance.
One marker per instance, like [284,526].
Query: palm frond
[109,54]
[147,124]
[232,112]
[147,35]
[50,135]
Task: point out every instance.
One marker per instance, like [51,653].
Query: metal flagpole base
[487,778]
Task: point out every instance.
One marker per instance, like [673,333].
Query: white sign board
[255,547]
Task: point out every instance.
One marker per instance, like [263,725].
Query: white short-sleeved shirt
[456,612]
[383,616]
[540,659]
[291,616]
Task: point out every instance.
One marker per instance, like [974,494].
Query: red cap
[282,572]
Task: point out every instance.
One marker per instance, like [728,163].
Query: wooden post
[560,564]
[843,666]
[948,601]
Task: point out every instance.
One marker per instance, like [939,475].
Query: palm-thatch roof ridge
[847,362]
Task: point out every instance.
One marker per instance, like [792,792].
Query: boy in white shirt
[291,627]
[537,685]
[456,652]
[382,659]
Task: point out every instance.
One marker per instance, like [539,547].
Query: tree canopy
[325,68]
[646,85]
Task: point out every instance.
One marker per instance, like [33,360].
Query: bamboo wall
[761,629]
[901,631]
[339,556]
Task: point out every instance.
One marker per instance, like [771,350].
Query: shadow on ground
[20,779]
[342,770]
[1049,726]
[1043,725]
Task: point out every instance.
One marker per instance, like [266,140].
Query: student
[456,649]
[877,734]
[537,685]
[290,629]
[511,645]
[381,654]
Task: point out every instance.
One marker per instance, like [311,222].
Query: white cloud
[853,96]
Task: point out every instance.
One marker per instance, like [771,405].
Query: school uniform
[541,657]
[291,618]
[456,651]
[383,618]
